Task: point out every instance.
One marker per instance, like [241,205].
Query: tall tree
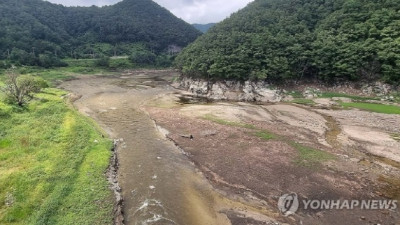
[285,39]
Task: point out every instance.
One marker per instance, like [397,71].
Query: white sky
[192,11]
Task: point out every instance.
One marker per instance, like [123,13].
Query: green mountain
[330,40]
[203,27]
[35,29]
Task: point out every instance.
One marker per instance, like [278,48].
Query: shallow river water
[159,184]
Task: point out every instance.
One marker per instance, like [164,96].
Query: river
[159,184]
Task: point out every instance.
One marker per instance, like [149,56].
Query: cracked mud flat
[160,185]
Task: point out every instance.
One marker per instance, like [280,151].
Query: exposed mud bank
[112,176]
[256,151]
[238,209]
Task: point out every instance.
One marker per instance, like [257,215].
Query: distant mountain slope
[39,27]
[284,39]
[203,27]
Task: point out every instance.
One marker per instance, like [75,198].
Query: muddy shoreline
[111,172]
[185,161]
[159,185]
[112,176]
[347,176]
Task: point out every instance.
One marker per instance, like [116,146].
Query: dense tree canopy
[35,32]
[293,39]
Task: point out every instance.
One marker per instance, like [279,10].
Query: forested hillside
[203,27]
[331,40]
[35,32]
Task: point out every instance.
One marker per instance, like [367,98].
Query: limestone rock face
[378,88]
[248,91]
[198,87]
[218,91]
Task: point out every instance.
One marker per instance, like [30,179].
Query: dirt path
[159,184]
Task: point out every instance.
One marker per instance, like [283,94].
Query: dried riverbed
[241,157]
[159,184]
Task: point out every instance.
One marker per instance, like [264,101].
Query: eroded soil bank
[235,160]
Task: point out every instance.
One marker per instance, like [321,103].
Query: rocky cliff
[249,91]
[262,91]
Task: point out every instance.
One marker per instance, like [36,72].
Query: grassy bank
[52,165]
[57,75]
[75,67]
[373,107]
[359,102]
[82,67]
[342,95]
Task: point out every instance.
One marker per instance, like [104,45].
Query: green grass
[299,98]
[373,107]
[115,63]
[396,96]
[78,67]
[51,167]
[303,101]
[4,108]
[228,123]
[341,95]
[265,135]
[54,75]
[310,157]
[296,94]
[75,67]
[307,156]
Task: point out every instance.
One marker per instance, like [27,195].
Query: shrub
[143,57]
[103,61]
[19,88]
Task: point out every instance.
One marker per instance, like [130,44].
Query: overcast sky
[192,11]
